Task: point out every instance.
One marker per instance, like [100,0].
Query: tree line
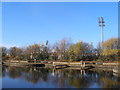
[64,50]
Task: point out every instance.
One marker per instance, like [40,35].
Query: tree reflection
[72,77]
[36,74]
[3,72]
[14,72]
[63,78]
[108,80]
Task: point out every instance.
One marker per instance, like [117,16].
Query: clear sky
[28,23]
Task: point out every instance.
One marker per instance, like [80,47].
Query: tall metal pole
[101,35]
[101,24]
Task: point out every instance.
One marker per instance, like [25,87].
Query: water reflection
[63,78]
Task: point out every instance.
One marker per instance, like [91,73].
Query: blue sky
[27,23]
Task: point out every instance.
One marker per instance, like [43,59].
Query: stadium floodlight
[101,24]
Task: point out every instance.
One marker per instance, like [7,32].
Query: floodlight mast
[101,24]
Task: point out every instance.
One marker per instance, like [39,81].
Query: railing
[82,63]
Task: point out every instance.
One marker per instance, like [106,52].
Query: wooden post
[81,63]
[53,64]
[84,64]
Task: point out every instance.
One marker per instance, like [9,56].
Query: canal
[41,77]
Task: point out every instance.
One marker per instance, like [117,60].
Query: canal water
[41,77]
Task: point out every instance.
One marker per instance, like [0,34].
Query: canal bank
[111,66]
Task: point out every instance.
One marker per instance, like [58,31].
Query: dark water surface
[38,77]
